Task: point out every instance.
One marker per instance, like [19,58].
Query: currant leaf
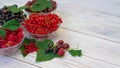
[75,52]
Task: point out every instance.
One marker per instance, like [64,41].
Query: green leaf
[75,52]
[13,9]
[40,5]
[11,25]
[41,55]
[25,41]
[23,7]
[49,4]
[2,33]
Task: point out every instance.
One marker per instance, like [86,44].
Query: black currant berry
[50,45]
[47,50]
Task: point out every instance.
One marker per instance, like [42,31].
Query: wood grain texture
[100,18]
[90,25]
[97,53]
[6,62]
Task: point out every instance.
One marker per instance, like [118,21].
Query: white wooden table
[90,25]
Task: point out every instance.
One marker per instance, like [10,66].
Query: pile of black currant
[6,15]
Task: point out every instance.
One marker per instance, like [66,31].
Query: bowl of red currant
[42,25]
[11,43]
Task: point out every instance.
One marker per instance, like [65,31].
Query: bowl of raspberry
[11,43]
[41,26]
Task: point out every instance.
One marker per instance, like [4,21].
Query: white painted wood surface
[90,25]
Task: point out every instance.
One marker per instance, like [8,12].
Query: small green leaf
[11,25]
[38,7]
[49,4]
[75,52]
[23,7]
[13,9]
[2,33]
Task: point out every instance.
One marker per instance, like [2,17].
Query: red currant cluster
[30,3]
[12,38]
[30,48]
[58,49]
[42,23]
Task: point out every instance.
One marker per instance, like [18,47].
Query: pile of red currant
[42,23]
[29,48]
[12,38]
[58,49]
[30,3]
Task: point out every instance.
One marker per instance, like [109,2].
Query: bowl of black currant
[6,15]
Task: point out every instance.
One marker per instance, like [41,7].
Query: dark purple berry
[66,45]
[60,42]
[50,45]
[59,46]
[47,50]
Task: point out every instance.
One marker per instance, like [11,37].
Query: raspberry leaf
[11,25]
[75,52]
[2,33]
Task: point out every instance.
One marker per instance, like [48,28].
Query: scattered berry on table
[66,45]
[61,52]
[60,42]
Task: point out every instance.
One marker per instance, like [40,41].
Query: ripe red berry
[61,52]
[11,37]
[41,23]
[20,30]
[60,42]
[20,35]
[11,43]
[66,45]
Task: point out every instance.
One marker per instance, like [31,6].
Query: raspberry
[61,52]
[11,37]
[11,43]
[4,46]
[20,35]
[19,29]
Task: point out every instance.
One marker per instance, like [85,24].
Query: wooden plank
[6,62]
[95,17]
[67,62]
[94,49]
